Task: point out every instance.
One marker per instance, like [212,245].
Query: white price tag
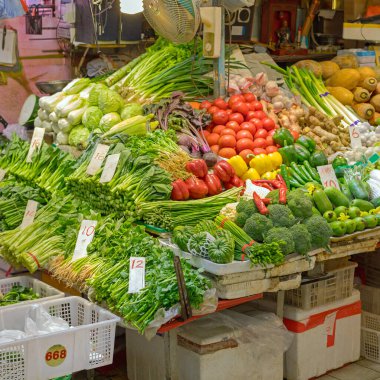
[109,168]
[97,159]
[330,323]
[136,274]
[2,174]
[29,214]
[328,176]
[35,144]
[356,141]
[85,236]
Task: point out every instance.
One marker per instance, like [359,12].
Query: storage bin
[45,291]
[370,298]
[370,342]
[89,343]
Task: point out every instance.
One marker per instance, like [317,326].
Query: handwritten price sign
[85,236]
[110,168]
[35,144]
[356,141]
[136,274]
[29,214]
[328,176]
[97,159]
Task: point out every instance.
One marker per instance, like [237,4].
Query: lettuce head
[109,120]
[110,101]
[91,117]
[78,137]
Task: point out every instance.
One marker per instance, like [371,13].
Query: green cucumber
[358,189]
[337,198]
[322,201]
[376,202]
[362,204]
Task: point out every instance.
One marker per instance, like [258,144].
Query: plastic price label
[374,158]
[136,274]
[35,144]
[55,355]
[356,141]
[97,158]
[85,236]
[328,176]
[29,214]
[110,168]
[2,174]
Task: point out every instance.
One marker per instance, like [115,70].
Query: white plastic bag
[234,5]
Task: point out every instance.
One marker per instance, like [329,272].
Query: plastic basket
[372,276]
[337,286]
[89,343]
[370,298]
[45,291]
[370,344]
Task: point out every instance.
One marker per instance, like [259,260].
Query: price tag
[109,168]
[374,158]
[35,144]
[55,355]
[97,159]
[356,141]
[330,323]
[328,176]
[2,174]
[85,236]
[29,214]
[136,274]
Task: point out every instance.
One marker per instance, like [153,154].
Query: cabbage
[130,110]
[64,126]
[78,137]
[109,120]
[110,101]
[93,96]
[62,138]
[91,117]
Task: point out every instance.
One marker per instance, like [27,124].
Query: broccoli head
[246,205]
[319,230]
[283,237]
[257,226]
[281,216]
[300,205]
[302,238]
[241,218]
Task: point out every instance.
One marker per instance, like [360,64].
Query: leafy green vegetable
[78,137]
[17,294]
[109,120]
[91,118]
[130,110]
[110,101]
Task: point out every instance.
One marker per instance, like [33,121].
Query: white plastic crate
[45,291]
[89,343]
[370,298]
[338,285]
[370,342]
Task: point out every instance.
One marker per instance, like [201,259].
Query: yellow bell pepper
[238,164]
[251,174]
[269,176]
[276,159]
[261,163]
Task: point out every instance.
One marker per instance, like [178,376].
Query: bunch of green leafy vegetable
[17,294]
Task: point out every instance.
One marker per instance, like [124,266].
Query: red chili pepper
[197,167]
[277,184]
[213,184]
[228,185]
[180,192]
[282,181]
[236,181]
[224,171]
[197,188]
[266,201]
[282,195]
[260,204]
[266,186]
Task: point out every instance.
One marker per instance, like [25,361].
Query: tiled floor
[361,370]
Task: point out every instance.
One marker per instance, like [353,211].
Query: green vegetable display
[283,237]
[301,238]
[18,294]
[257,226]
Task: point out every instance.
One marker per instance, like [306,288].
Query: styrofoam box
[146,359]
[309,355]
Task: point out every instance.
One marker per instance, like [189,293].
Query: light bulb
[131,6]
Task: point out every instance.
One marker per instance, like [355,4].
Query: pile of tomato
[239,126]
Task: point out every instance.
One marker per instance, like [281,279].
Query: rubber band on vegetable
[223,221]
[324,94]
[245,246]
[35,259]
[354,123]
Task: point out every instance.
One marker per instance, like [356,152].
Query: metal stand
[219,63]
[170,343]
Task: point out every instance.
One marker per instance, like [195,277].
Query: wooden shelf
[295,58]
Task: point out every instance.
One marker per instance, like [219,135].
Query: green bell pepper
[302,153]
[283,137]
[307,142]
[289,154]
[339,161]
[318,158]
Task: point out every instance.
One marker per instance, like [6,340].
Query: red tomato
[238,117]
[261,133]
[243,144]
[245,153]
[271,149]
[258,151]
[271,133]
[250,115]
[227,141]
[258,106]
[244,134]
[295,134]
[205,105]
[251,106]
[220,117]
[260,143]
[205,133]
[229,111]
[249,97]
[233,125]
[235,98]
[257,123]
[213,139]
[240,107]
[212,109]
[220,103]
[228,131]
[269,140]
[210,128]
[227,152]
[260,115]
[218,128]
[268,124]
[215,148]
[248,126]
